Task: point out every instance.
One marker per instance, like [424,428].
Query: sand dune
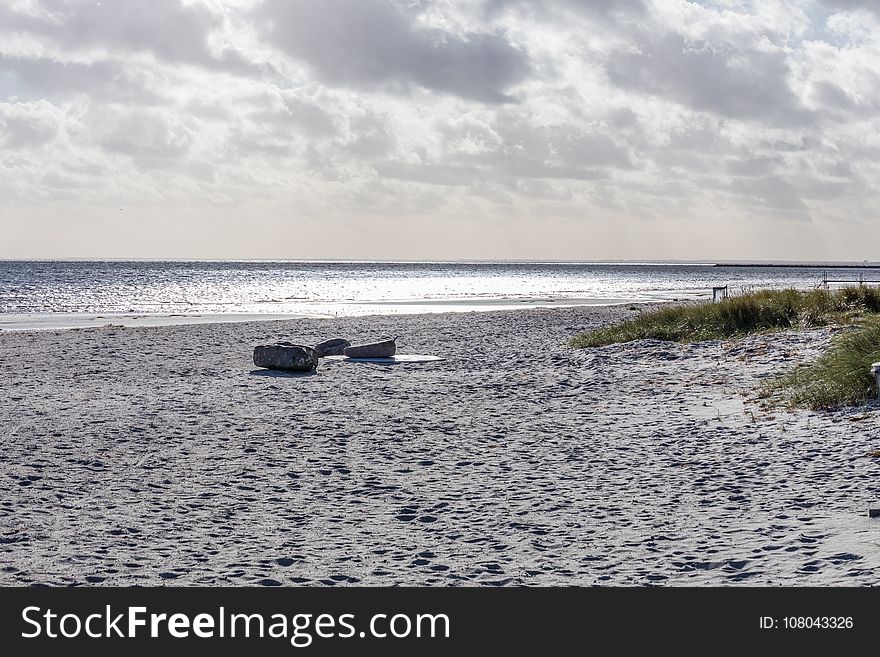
[159,455]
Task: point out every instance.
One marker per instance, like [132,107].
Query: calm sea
[361,288]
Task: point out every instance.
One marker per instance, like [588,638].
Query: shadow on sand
[279,374]
[385,362]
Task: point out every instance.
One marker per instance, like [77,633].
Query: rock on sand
[286,356]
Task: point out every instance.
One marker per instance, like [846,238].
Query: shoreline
[162,456]
[13,323]
[70,321]
[706,262]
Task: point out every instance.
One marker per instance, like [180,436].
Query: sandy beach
[160,455]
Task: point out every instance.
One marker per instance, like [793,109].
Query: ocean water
[192,288]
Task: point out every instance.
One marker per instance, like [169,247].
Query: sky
[429,129]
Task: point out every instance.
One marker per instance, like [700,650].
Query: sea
[54,294]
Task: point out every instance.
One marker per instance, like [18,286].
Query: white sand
[158,455]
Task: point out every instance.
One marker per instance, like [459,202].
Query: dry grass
[756,312]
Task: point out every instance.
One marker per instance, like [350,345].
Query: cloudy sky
[571,129]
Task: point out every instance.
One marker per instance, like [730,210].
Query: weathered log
[382,349]
[334,347]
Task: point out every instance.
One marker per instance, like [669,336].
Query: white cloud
[379,44]
[587,116]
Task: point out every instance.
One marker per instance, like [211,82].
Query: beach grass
[746,314]
[839,377]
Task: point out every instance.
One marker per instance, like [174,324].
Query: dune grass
[755,312]
[839,377]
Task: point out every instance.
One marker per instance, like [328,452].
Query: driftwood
[382,349]
[334,347]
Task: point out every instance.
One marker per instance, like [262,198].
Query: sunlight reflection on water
[360,288]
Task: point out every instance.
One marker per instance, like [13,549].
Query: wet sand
[160,455]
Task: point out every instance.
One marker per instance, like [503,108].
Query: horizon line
[745,262]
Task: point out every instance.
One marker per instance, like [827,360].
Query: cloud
[735,82]
[376,44]
[774,193]
[852,5]
[29,125]
[513,150]
[45,78]
[669,113]
[148,137]
[167,29]
[604,9]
